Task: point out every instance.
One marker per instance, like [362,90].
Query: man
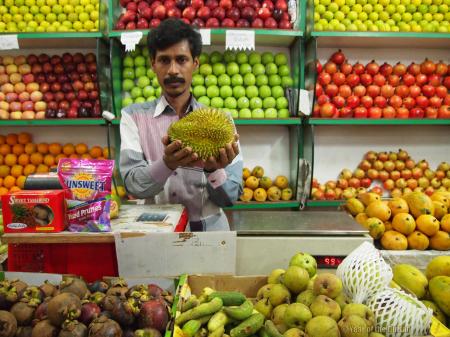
[152,167]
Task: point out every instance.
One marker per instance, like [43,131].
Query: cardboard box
[34,211]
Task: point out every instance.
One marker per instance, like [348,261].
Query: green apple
[155,82]
[143,81]
[197,79]
[284,70]
[234,113]
[213,91]
[215,57]
[236,80]
[139,61]
[277,91]
[151,98]
[210,80]
[254,58]
[245,68]
[219,69]
[127,84]
[241,57]
[274,80]
[287,81]
[281,59]
[230,103]
[282,103]
[224,79]
[238,91]
[257,113]
[249,79]
[136,92]
[232,68]
[150,73]
[269,102]
[245,113]
[267,57]
[139,100]
[258,69]
[205,69]
[203,58]
[251,91]
[140,71]
[270,113]
[148,91]
[262,80]
[243,102]
[255,103]
[217,102]
[199,91]
[271,69]
[283,113]
[204,100]
[226,91]
[265,91]
[126,101]
[229,56]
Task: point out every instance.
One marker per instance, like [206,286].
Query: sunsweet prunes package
[87,187]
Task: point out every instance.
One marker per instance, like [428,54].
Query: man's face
[174,67]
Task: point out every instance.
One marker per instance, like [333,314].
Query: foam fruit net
[398,314]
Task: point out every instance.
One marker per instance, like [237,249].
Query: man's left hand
[226,156]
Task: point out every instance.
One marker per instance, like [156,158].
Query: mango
[368,198]
[419,203]
[354,206]
[440,292]
[439,266]
[398,205]
[379,209]
[410,279]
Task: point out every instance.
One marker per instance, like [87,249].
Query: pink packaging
[87,187]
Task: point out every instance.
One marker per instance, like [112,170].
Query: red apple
[213,22]
[242,23]
[248,13]
[204,13]
[160,11]
[218,13]
[228,23]
[264,13]
[199,23]
[154,23]
[257,23]
[189,13]
[226,4]
[197,4]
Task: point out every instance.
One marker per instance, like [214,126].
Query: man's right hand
[175,155]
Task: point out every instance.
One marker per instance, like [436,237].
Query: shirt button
[174,194]
[175,173]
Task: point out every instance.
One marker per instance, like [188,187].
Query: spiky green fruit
[205,130]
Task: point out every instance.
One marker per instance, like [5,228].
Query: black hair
[170,32]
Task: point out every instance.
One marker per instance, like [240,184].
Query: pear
[342,300]
[278,314]
[275,275]
[264,292]
[264,307]
[353,326]
[282,328]
[327,284]
[279,294]
[322,326]
[325,306]
[305,261]
[306,297]
[311,282]
[295,279]
[360,310]
[294,332]
[297,315]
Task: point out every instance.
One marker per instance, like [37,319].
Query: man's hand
[225,158]
[175,155]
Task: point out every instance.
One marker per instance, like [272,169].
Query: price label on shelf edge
[206,36]
[130,40]
[8,42]
[240,39]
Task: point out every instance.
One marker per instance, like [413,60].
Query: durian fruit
[205,130]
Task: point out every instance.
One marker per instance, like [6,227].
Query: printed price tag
[240,39]
[305,99]
[130,40]
[9,42]
[206,36]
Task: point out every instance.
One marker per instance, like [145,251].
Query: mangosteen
[8,295]
[140,292]
[48,289]
[96,297]
[32,295]
[19,285]
[149,332]
[74,286]
[104,327]
[73,329]
[124,311]
[89,312]
[41,311]
[83,112]
[8,324]
[109,302]
[44,329]
[23,312]
[61,113]
[50,113]
[63,306]
[128,333]
[24,331]
[98,286]
[154,314]
[155,291]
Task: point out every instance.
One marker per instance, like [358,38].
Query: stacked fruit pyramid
[415,221]
[259,187]
[385,173]
[49,16]
[376,91]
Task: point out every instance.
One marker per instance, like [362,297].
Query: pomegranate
[104,327]
[330,67]
[386,69]
[73,329]
[44,329]
[63,306]
[352,80]
[154,313]
[8,324]
[441,68]
[434,80]
[89,312]
[338,57]
[346,68]
[399,69]
[74,286]
[359,68]
[414,69]
[372,68]
[318,67]
[23,312]
[427,67]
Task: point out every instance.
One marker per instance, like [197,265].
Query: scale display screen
[329,261]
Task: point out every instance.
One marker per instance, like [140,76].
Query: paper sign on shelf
[9,42]
[305,100]
[130,40]
[240,39]
[206,36]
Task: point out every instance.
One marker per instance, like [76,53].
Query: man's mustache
[171,80]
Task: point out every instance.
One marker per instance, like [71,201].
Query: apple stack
[49,15]
[38,87]
[383,15]
[386,91]
[141,14]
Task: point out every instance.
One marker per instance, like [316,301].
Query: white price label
[240,39]
[9,42]
[206,36]
[305,102]
[130,40]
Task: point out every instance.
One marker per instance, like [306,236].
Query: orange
[1,181]
[20,181]
[17,170]
[440,241]
[2,139]
[24,138]
[42,148]
[11,139]
[29,169]
[3,190]
[9,181]
[58,157]
[55,148]
[30,148]
[81,148]
[10,159]
[74,156]
[24,159]
[106,152]
[4,170]
[14,189]
[1,159]
[418,240]
[86,156]
[42,168]
[96,151]
[5,149]
[393,240]
[68,149]
[49,160]
[18,149]
[36,158]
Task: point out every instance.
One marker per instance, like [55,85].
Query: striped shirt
[146,175]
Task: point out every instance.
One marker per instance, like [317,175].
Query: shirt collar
[163,106]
